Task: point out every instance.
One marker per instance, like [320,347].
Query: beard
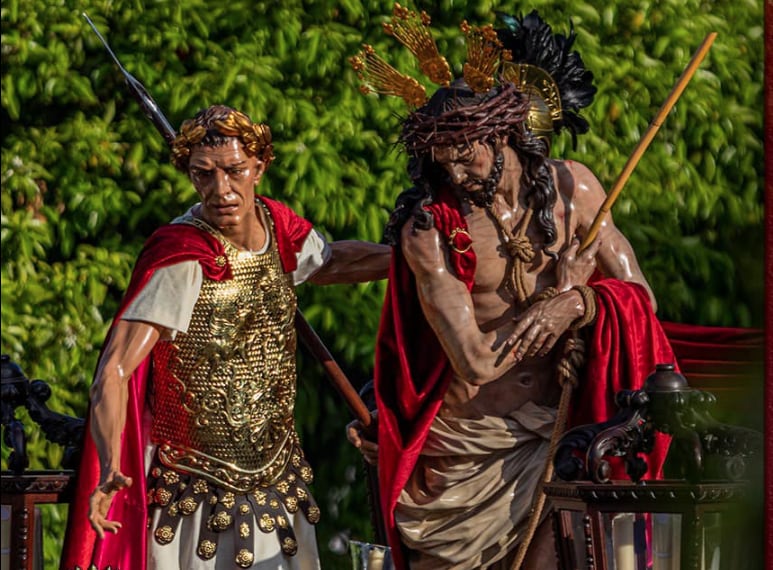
[485,197]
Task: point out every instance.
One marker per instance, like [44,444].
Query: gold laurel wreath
[256,138]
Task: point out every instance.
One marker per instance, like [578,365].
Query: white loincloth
[468,500]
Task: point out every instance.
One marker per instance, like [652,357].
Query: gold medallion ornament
[244,558]
[220,521]
[188,506]
[200,486]
[260,497]
[163,497]
[207,549]
[228,500]
[164,534]
[170,477]
[313,514]
[266,523]
[289,546]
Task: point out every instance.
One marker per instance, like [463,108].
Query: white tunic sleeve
[313,255]
[167,300]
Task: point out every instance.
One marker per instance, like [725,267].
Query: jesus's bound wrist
[590,307]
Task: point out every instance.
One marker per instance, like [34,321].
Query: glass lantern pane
[578,542]
[625,541]
[712,534]
[666,541]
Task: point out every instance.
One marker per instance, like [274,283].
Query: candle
[622,542]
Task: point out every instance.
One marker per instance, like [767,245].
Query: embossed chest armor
[223,393]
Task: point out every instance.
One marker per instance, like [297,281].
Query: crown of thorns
[494,114]
[488,70]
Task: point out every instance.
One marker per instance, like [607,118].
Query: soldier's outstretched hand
[102,498]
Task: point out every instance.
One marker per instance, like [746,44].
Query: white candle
[375,559]
[622,542]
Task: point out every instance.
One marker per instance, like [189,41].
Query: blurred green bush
[85,177]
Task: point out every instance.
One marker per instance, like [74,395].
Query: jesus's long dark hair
[455,115]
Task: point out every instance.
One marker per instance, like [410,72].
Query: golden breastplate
[224,392]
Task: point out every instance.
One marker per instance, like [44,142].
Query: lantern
[685,522]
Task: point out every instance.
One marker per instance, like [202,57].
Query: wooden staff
[676,92]
[566,391]
[339,380]
[307,334]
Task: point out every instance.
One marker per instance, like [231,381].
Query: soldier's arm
[129,344]
[353,261]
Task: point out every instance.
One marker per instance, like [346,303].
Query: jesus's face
[468,166]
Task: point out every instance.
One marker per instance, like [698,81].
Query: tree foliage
[86,178]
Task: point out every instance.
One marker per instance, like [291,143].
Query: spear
[307,334]
[645,141]
[566,392]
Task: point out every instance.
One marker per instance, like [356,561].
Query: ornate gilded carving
[289,546]
[231,376]
[228,500]
[220,521]
[266,523]
[244,558]
[313,514]
[207,549]
[164,534]
[188,506]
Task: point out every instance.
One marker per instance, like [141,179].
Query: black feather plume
[531,40]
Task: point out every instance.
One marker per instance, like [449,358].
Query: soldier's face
[225,178]
[468,166]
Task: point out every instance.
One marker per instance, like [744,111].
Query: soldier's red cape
[126,550]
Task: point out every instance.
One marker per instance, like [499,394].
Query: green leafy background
[85,177]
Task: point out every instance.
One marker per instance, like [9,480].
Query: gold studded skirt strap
[231,516]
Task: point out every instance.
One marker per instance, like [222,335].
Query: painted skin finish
[225,178]
[501,353]
[478,328]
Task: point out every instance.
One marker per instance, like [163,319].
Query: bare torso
[534,378]
[475,328]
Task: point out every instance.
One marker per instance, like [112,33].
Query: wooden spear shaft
[337,377]
[645,141]
[307,334]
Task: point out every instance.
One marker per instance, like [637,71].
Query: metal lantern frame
[708,484]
